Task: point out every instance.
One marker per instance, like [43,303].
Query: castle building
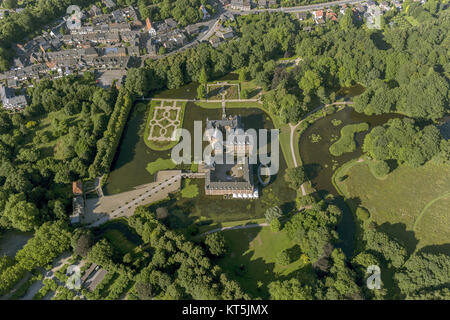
[232,179]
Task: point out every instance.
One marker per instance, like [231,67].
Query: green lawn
[160,164]
[251,258]
[190,190]
[412,203]
[346,142]
[119,241]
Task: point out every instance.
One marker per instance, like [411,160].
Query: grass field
[251,258]
[119,241]
[411,203]
[346,142]
[160,164]
[190,190]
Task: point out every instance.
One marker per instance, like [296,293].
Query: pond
[320,164]
[352,91]
[128,170]
[315,154]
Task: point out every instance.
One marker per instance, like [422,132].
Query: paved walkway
[100,210]
[246,226]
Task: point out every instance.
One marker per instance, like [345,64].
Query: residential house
[171,23]
[109,3]
[95,11]
[192,29]
[240,4]
[119,16]
[18,63]
[301,15]
[225,33]
[318,16]
[151,46]
[215,41]
[9,99]
[263,3]
[330,15]
[133,16]
[384,6]
[133,51]
[397,4]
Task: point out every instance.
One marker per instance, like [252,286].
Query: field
[251,258]
[410,203]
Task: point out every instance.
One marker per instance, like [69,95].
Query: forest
[49,145]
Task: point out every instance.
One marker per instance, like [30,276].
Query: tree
[346,22]
[203,77]
[283,258]
[82,241]
[216,244]
[244,94]
[10,4]
[422,273]
[295,177]
[21,214]
[101,253]
[290,289]
[242,75]
[201,92]
[137,81]
[49,241]
[275,225]
[310,81]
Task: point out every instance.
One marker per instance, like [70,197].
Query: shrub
[275,225]
[362,214]
[283,258]
[379,168]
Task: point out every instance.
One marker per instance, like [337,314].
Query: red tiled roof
[77,187]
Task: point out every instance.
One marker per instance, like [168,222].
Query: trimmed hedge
[107,146]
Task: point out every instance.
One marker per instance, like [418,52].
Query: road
[310,7]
